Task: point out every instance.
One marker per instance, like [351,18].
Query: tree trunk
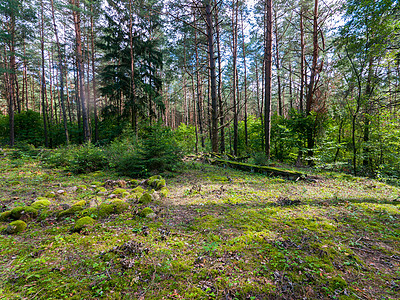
[302,59]
[245,83]
[235,78]
[268,73]
[61,67]
[214,108]
[43,86]
[79,58]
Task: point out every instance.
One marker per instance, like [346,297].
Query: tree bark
[268,73]
[79,58]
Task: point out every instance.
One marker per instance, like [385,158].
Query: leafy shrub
[185,137]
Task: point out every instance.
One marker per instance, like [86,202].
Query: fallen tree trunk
[291,175]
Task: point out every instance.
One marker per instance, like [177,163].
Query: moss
[49,195]
[156,182]
[40,204]
[5,215]
[125,194]
[138,189]
[15,182]
[104,210]
[19,211]
[145,212]
[82,223]
[118,191]
[81,187]
[16,227]
[134,182]
[100,190]
[164,192]
[79,203]
[145,198]
[70,211]
[96,183]
[160,184]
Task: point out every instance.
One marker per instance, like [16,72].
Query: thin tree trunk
[268,73]
[214,106]
[245,82]
[302,59]
[235,78]
[76,16]
[43,86]
[61,68]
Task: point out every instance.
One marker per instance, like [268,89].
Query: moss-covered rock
[138,189]
[116,206]
[118,191]
[164,192]
[5,215]
[97,183]
[70,211]
[16,227]
[157,182]
[125,194]
[79,203]
[145,212]
[82,223]
[134,182]
[26,211]
[16,182]
[145,198]
[100,190]
[41,204]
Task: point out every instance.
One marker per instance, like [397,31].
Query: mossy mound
[116,206]
[138,189]
[70,211]
[97,183]
[79,203]
[164,192]
[157,182]
[125,194]
[40,204]
[26,211]
[16,227]
[145,198]
[145,212]
[134,182]
[82,223]
[100,190]
[118,191]
[15,182]
[5,215]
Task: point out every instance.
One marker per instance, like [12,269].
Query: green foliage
[156,152]
[78,159]
[28,126]
[185,137]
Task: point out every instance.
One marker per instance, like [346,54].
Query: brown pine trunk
[245,82]
[43,86]
[220,103]
[79,58]
[268,73]
[213,91]
[302,59]
[235,78]
[61,70]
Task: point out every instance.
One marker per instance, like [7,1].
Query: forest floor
[219,234]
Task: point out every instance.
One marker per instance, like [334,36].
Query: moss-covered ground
[219,234]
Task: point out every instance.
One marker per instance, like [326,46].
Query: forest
[200,149]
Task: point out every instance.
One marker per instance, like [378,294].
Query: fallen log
[270,171]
